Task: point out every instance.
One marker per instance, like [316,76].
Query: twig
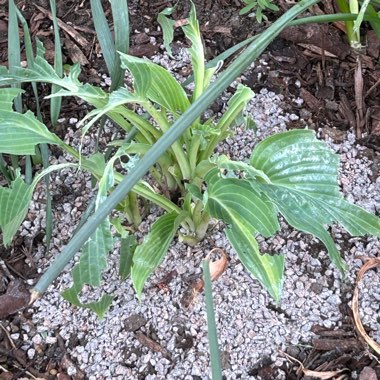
[372,88]
[8,336]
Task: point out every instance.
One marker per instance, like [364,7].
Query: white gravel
[250,327]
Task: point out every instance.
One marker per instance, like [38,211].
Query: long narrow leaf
[121,27]
[106,41]
[216,366]
[14,47]
[55,103]
[149,255]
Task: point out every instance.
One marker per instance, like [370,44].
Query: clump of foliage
[290,174]
[257,9]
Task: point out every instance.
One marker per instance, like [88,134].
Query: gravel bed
[251,328]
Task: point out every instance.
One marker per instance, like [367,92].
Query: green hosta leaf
[99,307]
[236,106]
[196,52]
[20,133]
[42,71]
[116,98]
[149,255]
[268,269]
[302,173]
[194,191]
[93,95]
[7,95]
[127,249]
[232,200]
[156,83]
[223,162]
[167,26]
[246,212]
[93,260]
[14,204]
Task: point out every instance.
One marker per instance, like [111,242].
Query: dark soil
[312,62]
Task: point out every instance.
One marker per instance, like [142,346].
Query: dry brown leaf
[218,266]
[370,264]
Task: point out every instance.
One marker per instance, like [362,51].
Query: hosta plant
[290,173]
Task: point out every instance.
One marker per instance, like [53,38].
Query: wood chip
[318,50]
[75,54]
[312,102]
[322,375]
[344,345]
[152,345]
[16,298]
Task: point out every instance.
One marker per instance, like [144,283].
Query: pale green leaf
[196,51]
[93,260]
[127,248]
[268,269]
[20,133]
[167,26]
[116,98]
[149,255]
[41,71]
[7,95]
[98,307]
[14,204]
[156,83]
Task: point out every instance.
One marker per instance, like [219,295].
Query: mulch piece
[334,354]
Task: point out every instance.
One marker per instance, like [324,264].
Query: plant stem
[193,153]
[178,151]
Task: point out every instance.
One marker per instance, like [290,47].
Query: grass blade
[105,38]
[216,366]
[43,147]
[166,141]
[121,26]
[55,103]
[14,56]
